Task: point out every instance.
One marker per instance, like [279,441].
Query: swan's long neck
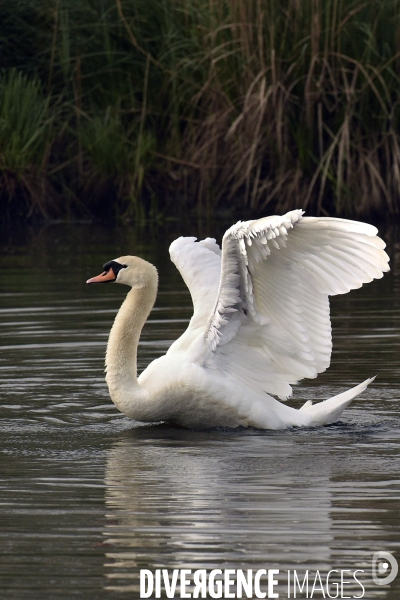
[121,356]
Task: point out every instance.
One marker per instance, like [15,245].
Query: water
[89,497]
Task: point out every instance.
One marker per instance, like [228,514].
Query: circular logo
[384,568]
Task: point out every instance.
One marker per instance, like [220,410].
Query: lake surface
[89,497]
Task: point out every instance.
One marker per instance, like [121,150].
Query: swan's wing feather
[211,244]
[199,263]
[270,326]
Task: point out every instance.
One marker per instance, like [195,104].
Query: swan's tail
[330,410]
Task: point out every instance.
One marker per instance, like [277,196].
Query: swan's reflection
[182,499]
[177,498]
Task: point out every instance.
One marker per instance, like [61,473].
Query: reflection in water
[181,499]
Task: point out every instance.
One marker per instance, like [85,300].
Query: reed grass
[259,105]
[25,141]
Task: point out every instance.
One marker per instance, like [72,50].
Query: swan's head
[130,270]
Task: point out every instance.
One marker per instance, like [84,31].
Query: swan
[260,324]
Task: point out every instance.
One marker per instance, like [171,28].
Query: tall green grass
[260,105]
[25,141]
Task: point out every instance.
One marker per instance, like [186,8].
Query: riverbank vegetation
[139,107]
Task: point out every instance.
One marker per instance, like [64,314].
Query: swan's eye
[115,266]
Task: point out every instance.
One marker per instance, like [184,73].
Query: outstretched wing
[270,326]
[199,264]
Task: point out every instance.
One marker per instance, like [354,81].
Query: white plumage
[260,324]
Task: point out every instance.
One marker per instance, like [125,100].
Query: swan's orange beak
[105,277]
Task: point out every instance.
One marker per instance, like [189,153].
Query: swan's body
[261,323]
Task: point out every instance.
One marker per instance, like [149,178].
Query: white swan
[261,323]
